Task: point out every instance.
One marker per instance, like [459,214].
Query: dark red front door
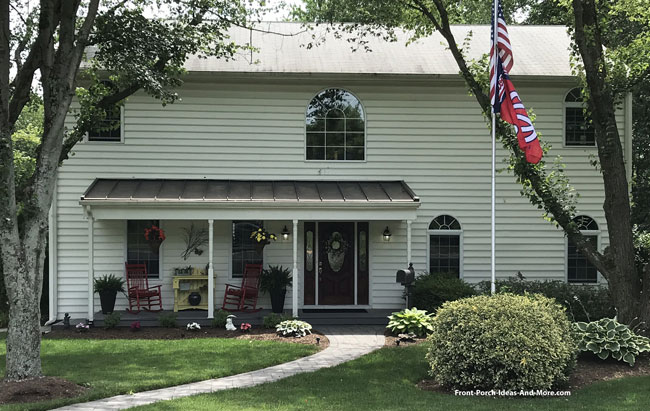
[336,263]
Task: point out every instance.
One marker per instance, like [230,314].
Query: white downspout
[52,262]
[628,139]
[91,267]
[294,289]
[408,242]
[210,269]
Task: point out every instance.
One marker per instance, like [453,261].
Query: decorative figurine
[229,325]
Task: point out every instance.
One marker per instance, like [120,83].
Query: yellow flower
[523,361]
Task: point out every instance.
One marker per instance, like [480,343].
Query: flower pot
[194,299]
[107,300]
[154,245]
[259,247]
[277,300]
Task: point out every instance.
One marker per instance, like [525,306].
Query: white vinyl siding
[430,134]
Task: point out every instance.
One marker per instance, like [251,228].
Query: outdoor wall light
[386,234]
[285,233]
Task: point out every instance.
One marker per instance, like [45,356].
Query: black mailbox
[406,278]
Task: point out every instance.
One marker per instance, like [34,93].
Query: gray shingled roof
[538,51]
[278,191]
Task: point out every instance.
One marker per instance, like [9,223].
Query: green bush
[293,328]
[112,320]
[167,320]
[272,320]
[607,337]
[219,320]
[505,341]
[108,283]
[410,320]
[583,302]
[430,291]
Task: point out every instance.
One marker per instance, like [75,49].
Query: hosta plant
[295,328]
[410,320]
[607,337]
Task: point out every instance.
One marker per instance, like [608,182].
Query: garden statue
[229,325]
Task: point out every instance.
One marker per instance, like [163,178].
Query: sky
[280,16]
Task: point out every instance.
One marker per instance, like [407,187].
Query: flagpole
[494,152]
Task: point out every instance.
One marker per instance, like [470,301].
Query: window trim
[597,233]
[459,233]
[230,273]
[161,251]
[572,104]
[365,130]
[86,138]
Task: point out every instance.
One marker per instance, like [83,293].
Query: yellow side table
[186,285]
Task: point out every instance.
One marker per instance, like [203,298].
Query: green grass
[386,380]
[112,367]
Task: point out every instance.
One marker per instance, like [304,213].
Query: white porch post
[408,242]
[294,289]
[91,268]
[210,269]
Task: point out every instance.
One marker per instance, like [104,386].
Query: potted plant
[154,236]
[275,281]
[107,288]
[262,238]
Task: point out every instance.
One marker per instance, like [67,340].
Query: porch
[314,317]
[318,217]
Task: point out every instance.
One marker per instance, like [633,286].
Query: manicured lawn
[386,380]
[112,367]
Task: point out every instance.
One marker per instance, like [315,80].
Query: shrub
[272,320]
[275,278]
[4,318]
[108,283]
[410,320]
[219,320]
[112,320]
[583,302]
[295,328]
[167,320]
[430,291]
[505,341]
[607,337]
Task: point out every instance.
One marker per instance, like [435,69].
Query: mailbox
[406,278]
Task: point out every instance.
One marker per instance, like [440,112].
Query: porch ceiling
[228,199]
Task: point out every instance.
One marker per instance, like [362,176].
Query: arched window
[579,269]
[578,130]
[445,245]
[335,127]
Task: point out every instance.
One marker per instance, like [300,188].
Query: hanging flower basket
[262,238]
[154,236]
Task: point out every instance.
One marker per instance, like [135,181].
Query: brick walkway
[346,343]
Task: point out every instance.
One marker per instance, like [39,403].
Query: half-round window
[444,222]
[336,127]
[586,223]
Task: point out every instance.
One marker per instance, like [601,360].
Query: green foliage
[607,337]
[583,302]
[275,278]
[272,320]
[504,341]
[4,319]
[168,320]
[430,291]
[293,328]
[108,283]
[112,320]
[410,320]
[219,320]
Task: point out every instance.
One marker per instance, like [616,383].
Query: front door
[336,254]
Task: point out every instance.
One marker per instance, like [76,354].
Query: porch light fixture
[387,234]
[285,233]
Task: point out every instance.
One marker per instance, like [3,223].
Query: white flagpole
[494,152]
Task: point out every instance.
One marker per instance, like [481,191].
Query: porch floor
[314,317]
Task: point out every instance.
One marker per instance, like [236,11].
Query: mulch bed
[38,389]
[588,370]
[159,333]
[391,340]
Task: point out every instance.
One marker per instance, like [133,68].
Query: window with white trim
[108,128]
[244,249]
[335,127]
[579,269]
[445,245]
[139,250]
[578,129]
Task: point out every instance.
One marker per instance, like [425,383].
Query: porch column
[210,269]
[408,242]
[294,289]
[91,268]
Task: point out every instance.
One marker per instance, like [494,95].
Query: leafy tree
[46,44]
[610,60]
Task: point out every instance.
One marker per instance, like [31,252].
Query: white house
[328,146]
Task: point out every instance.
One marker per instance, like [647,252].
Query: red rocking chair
[140,295]
[244,297]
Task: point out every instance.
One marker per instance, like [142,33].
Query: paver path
[346,343]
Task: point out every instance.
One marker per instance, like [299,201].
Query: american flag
[504,55]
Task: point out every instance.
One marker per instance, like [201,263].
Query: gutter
[629,126]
